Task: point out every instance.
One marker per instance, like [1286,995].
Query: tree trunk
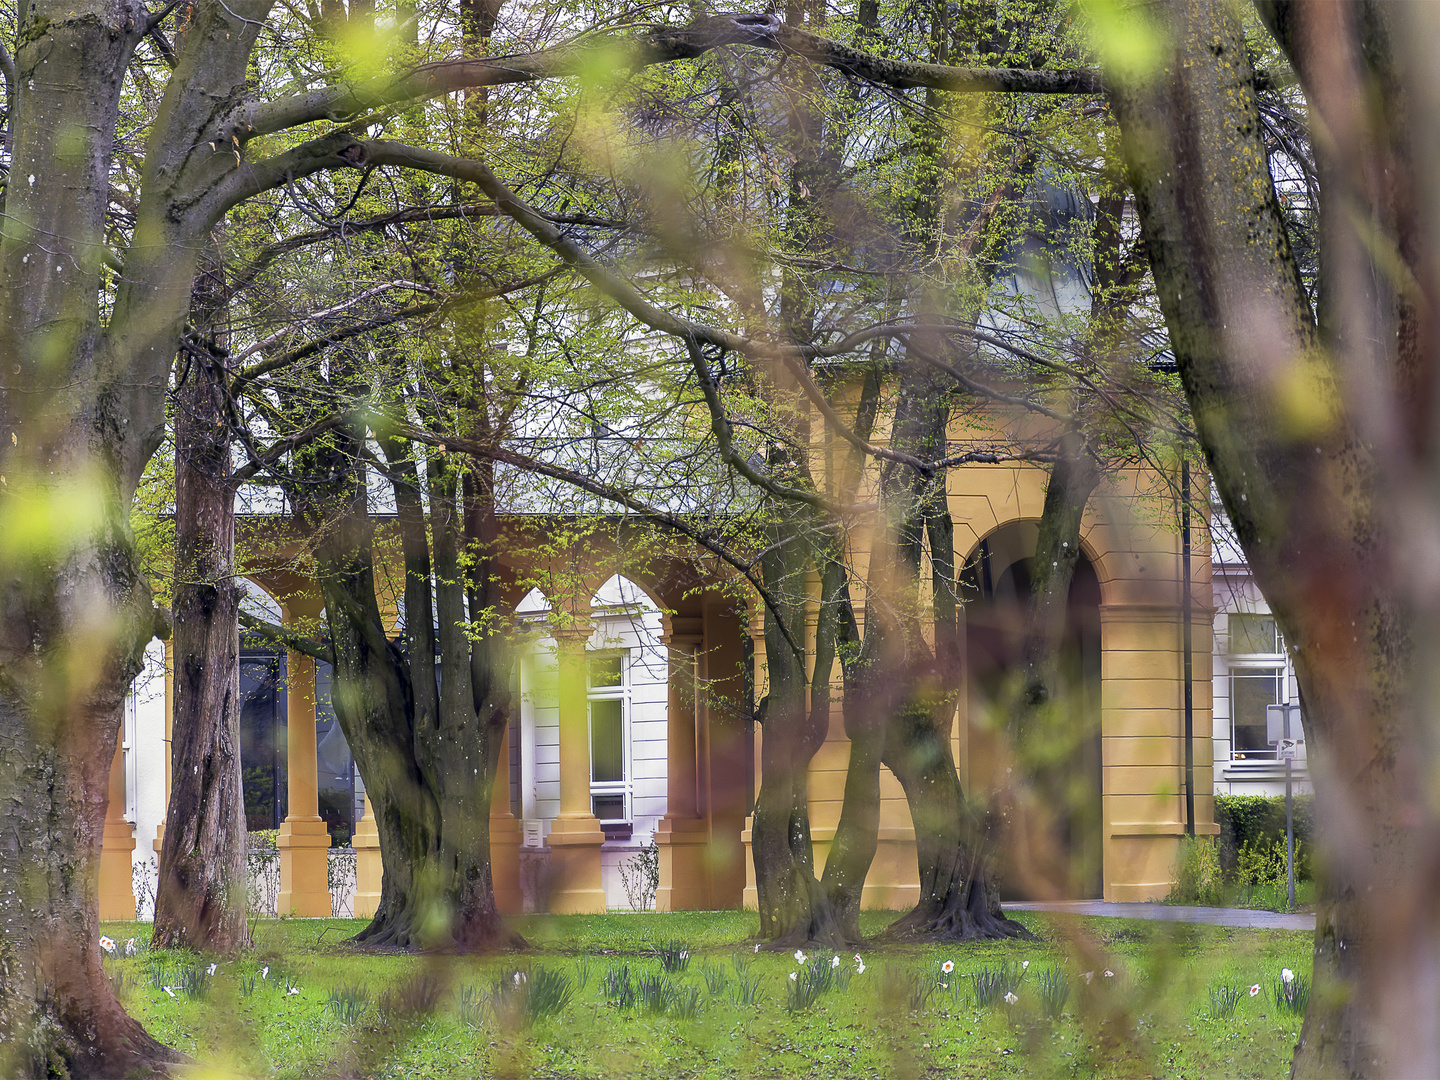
[200,900]
[70,643]
[1304,489]
[793,907]
[427,754]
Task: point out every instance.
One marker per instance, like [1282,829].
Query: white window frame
[1272,663]
[622,693]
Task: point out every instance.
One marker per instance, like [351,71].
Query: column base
[368,868]
[576,887]
[505,863]
[750,898]
[304,845]
[117,892]
[684,845]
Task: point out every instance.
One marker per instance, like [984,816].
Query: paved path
[1209,916]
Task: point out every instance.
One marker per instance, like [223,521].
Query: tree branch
[618,52]
[289,638]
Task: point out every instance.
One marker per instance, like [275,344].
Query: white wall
[634,628]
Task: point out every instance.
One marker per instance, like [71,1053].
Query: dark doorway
[996,588]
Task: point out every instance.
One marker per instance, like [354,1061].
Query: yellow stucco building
[662,742]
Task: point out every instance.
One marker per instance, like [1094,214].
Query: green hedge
[1259,820]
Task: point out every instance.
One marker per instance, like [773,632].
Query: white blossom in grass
[212,969]
[792,976]
[757,946]
[857,959]
[948,966]
[265,972]
[860,968]
[1109,974]
[1286,975]
[834,961]
[1088,976]
[169,990]
[292,990]
[130,949]
[1010,998]
[108,944]
[1254,989]
[1024,964]
[799,957]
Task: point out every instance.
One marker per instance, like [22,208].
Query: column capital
[681,629]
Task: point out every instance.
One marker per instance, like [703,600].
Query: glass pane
[262,741]
[605,670]
[609,807]
[1253,634]
[607,746]
[1250,692]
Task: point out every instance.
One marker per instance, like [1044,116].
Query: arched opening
[996,588]
[626,690]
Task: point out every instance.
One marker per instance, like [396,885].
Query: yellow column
[575,836]
[504,838]
[303,840]
[117,897]
[368,869]
[683,833]
[750,898]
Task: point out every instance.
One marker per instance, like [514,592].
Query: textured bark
[81,407]
[200,901]
[1320,500]
[428,754]
[794,908]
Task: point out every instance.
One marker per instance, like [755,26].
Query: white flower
[1088,974]
[517,978]
[834,961]
[168,990]
[130,949]
[1286,975]
[1109,974]
[857,959]
[107,944]
[860,968]
[792,976]
[757,946]
[265,972]
[211,969]
[292,990]
[948,966]
[1254,989]
[684,954]
[1024,964]
[1010,997]
[799,957]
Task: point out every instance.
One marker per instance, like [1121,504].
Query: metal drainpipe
[1187,634]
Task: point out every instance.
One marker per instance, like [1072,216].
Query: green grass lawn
[324,1009]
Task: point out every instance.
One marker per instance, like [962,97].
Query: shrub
[1259,821]
[1293,994]
[640,877]
[618,989]
[1197,873]
[1054,988]
[349,1003]
[674,956]
[989,985]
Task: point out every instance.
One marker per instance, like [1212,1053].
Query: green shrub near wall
[1258,821]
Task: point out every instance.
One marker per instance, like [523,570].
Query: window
[1257,679]
[1251,689]
[1254,634]
[609,700]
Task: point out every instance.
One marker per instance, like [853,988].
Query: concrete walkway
[1208,916]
